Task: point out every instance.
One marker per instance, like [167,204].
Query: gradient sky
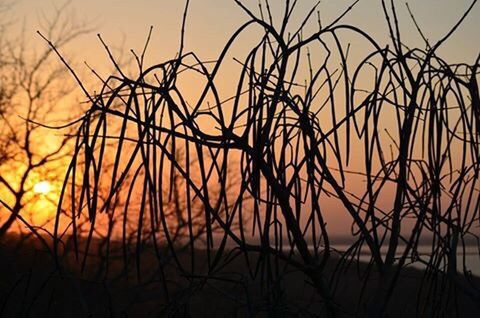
[212,21]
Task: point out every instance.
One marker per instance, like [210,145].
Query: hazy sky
[212,21]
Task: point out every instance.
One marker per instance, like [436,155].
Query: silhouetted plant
[412,118]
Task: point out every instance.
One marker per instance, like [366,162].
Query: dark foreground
[30,286]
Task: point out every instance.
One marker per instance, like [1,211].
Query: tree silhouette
[410,117]
[31,91]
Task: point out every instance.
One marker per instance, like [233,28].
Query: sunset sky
[124,25]
[211,22]
[231,158]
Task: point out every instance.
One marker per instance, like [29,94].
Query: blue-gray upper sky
[212,21]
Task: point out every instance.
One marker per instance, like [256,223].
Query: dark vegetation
[180,206]
[34,288]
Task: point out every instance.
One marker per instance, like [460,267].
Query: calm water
[471,257]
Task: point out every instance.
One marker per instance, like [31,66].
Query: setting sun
[42,187]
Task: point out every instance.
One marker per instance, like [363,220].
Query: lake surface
[470,257]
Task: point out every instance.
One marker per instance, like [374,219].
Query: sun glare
[42,187]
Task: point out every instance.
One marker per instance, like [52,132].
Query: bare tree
[33,88]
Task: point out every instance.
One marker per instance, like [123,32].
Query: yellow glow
[42,187]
